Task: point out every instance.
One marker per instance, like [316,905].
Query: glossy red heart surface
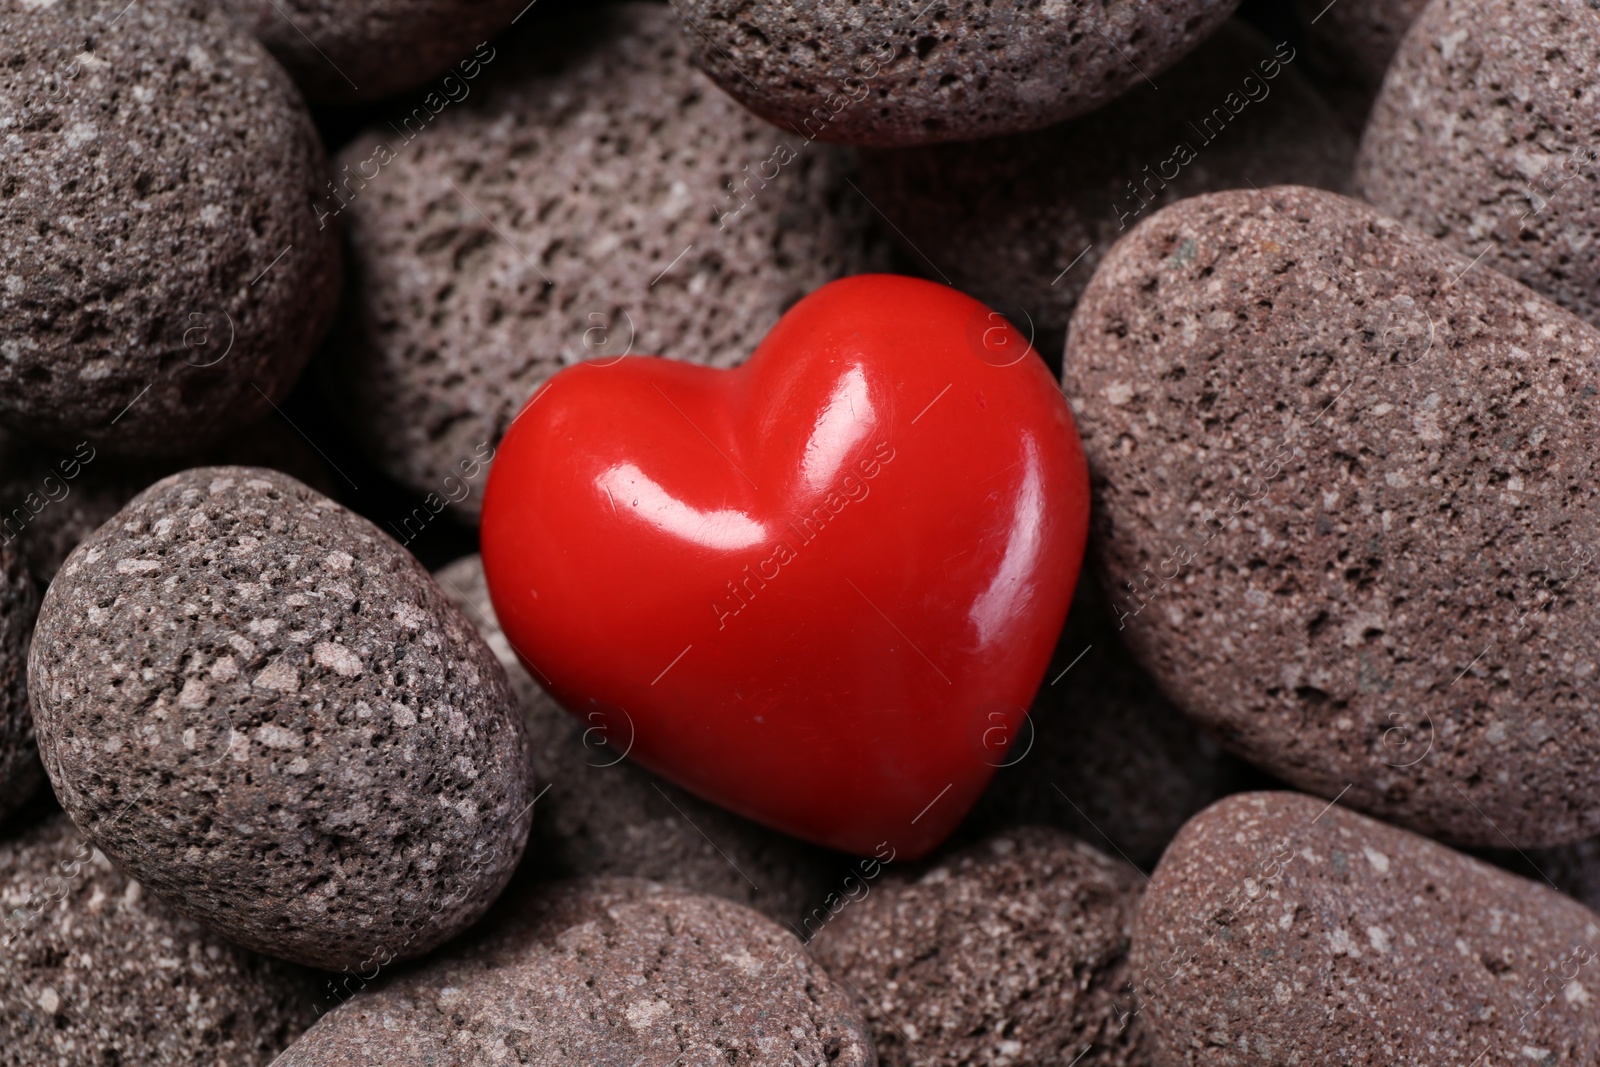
[819,589]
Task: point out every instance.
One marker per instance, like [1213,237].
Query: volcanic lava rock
[1344,486]
[268,713]
[361,51]
[912,72]
[1487,136]
[95,970]
[604,971]
[1280,929]
[1022,222]
[51,498]
[20,773]
[163,277]
[594,196]
[1011,952]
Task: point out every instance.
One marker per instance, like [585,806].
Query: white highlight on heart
[1010,590]
[636,493]
[844,422]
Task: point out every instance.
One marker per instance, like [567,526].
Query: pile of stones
[1314,776]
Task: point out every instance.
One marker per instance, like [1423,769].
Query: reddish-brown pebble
[606,971]
[1279,930]
[1011,953]
[1345,485]
[1487,136]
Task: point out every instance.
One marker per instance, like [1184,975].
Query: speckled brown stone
[1277,932]
[1344,483]
[1022,222]
[1487,136]
[605,815]
[359,51]
[162,274]
[598,157]
[1103,754]
[912,72]
[20,773]
[265,710]
[604,971]
[51,498]
[1008,954]
[1351,43]
[94,970]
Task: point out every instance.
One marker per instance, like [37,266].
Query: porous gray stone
[603,971]
[913,72]
[362,51]
[93,970]
[163,278]
[1487,136]
[1022,222]
[1102,754]
[1344,484]
[268,713]
[604,815]
[1011,953]
[1281,930]
[577,205]
[51,497]
[20,773]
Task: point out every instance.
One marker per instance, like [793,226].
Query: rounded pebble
[603,971]
[1281,930]
[1022,222]
[605,815]
[20,772]
[359,52]
[268,713]
[1011,952]
[911,72]
[51,498]
[1486,137]
[1102,754]
[578,205]
[93,970]
[1345,487]
[174,287]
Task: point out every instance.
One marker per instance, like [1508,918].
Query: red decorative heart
[819,589]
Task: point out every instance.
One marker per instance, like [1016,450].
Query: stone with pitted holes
[163,279]
[94,970]
[266,710]
[361,51]
[20,773]
[918,72]
[1021,222]
[1280,930]
[1487,136]
[603,971]
[1011,953]
[51,497]
[605,815]
[1345,486]
[576,206]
